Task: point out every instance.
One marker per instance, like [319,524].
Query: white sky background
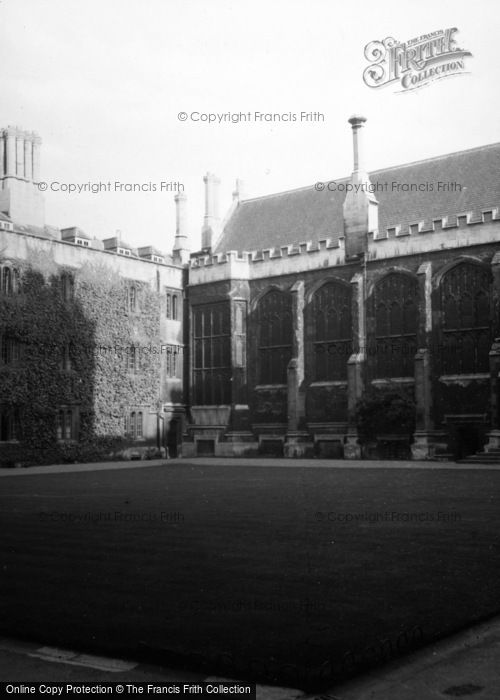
[103,82]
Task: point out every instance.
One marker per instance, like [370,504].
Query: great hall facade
[358,317]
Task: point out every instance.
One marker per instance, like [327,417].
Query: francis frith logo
[416,62]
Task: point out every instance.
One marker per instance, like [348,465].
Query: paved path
[235,462]
[25,663]
[465,665]
[89,467]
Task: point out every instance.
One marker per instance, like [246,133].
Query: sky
[103,83]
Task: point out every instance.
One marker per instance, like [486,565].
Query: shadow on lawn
[304,676]
[250,583]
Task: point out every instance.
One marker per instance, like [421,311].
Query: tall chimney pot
[180,251]
[357,122]
[360,207]
[211,220]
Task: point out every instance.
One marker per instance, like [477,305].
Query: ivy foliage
[97,326]
[384,413]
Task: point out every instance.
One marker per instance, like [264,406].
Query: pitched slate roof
[150,250]
[308,215]
[50,232]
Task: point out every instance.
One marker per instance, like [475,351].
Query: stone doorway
[173,437]
[466,439]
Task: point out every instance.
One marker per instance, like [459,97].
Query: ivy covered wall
[73,339]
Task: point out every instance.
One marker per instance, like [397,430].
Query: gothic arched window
[396,318]
[10,281]
[7,286]
[274,316]
[466,325]
[331,310]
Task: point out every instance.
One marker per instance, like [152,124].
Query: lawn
[288,575]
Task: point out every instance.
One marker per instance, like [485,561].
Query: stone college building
[356,318]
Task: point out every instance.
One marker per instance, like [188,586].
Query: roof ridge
[276,194]
[433,158]
[375,172]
